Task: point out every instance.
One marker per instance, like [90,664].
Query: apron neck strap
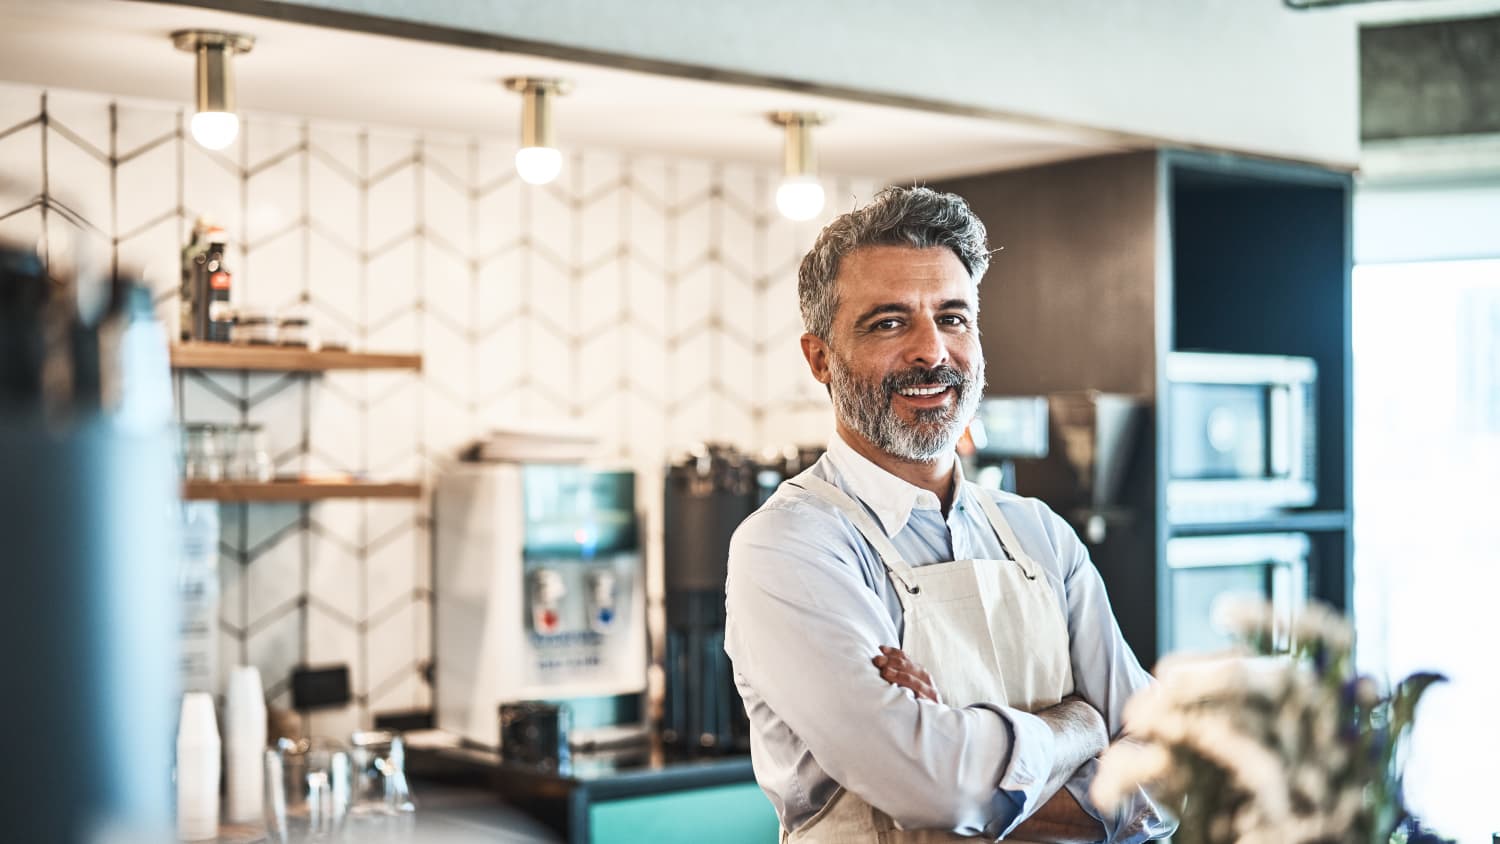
[1008,541]
[863,522]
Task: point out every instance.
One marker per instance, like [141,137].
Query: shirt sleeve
[802,626]
[1136,819]
[1106,673]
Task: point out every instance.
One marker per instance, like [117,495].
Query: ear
[817,352]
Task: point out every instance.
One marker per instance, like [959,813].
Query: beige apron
[988,631]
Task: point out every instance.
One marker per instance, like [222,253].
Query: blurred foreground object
[88,497]
[1279,742]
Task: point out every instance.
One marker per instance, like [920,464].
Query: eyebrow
[896,308]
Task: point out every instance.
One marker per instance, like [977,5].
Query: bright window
[1427,519]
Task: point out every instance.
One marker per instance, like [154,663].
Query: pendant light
[215,124]
[800,195]
[538,161]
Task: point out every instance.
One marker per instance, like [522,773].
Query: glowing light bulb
[800,198]
[215,129]
[538,165]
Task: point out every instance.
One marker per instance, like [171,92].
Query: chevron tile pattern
[652,301]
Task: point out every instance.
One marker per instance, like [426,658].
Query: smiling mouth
[923,391]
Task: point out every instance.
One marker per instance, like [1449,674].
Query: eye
[887,324]
[953,319]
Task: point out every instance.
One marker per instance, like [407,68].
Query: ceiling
[122,48]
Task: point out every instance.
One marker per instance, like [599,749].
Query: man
[921,660]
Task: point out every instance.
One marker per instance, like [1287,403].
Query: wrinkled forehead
[902,275]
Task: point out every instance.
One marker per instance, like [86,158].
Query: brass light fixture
[538,161]
[215,124]
[800,195]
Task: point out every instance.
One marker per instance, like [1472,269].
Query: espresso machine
[1004,429]
[1097,434]
[708,493]
[539,595]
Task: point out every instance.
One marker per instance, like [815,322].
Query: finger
[896,678]
[881,661]
[919,691]
[907,680]
[902,662]
[915,679]
[903,656]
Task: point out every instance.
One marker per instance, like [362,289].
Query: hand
[898,668]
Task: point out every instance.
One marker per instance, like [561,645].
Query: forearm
[1078,734]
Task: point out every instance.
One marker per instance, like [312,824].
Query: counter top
[446,814]
[606,776]
[467,795]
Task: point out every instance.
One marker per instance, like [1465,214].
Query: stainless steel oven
[1241,435]
[1202,569]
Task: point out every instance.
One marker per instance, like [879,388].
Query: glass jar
[251,459]
[203,456]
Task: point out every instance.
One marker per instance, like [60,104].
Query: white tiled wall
[653,301]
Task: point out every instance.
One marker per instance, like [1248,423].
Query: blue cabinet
[725,814]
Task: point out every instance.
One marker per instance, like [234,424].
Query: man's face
[904,363]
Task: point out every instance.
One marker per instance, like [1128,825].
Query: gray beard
[865,406]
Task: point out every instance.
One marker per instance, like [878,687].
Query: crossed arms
[1079,734]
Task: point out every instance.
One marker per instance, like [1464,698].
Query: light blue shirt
[809,603]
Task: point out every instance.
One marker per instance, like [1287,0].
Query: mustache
[918,376]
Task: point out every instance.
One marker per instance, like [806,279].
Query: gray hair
[897,216]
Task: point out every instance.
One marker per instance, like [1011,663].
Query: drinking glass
[379,769]
[307,791]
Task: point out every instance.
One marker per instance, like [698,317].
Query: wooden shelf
[295,490]
[283,358]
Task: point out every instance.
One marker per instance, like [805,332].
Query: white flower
[1310,780]
[1319,623]
[1252,747]
[1123,767]
[1242,615]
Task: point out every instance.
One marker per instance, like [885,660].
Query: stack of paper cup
[244,746]
[197,769]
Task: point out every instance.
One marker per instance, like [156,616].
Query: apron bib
[988,631]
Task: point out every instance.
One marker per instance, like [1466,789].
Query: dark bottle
[212,313]
[187,295]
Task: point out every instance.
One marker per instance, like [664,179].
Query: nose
[928,346]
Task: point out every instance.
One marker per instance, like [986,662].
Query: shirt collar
[889,497]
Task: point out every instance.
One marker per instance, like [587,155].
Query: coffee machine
[1004,429]
[708,493]
[539,595]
